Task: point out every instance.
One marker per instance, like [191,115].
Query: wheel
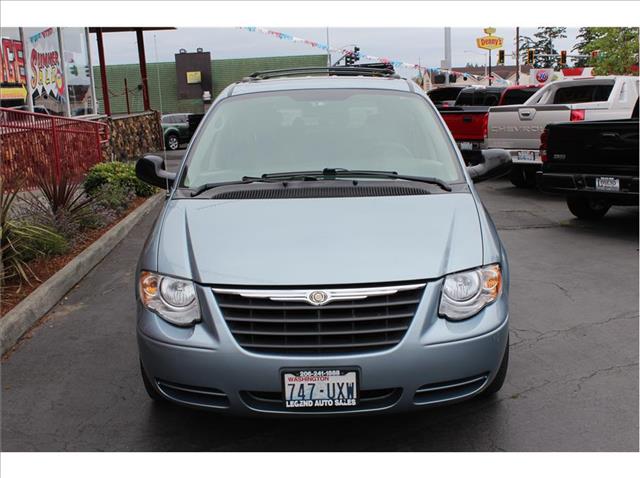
[587,208]
[171,142]
[498,380]
[152,392]
[517,176]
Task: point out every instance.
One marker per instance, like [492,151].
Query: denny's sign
[489,42]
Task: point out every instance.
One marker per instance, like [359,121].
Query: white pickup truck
[517,129]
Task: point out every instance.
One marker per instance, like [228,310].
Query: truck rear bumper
[585,184]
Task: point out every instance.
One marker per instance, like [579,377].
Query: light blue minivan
[322,250]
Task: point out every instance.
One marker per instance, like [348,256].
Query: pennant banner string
[378,59]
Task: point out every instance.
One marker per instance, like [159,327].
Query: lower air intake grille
[351,320]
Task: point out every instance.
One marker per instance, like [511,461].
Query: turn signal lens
[148,285]
[464,294]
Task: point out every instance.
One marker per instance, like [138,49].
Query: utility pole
[328,49]
[447,54]
[517,55]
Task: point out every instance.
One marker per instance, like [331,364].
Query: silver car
[322,250]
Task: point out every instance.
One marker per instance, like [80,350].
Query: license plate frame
[527,156]
[607,184]
[318,401]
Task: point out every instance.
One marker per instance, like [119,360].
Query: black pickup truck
[593,163]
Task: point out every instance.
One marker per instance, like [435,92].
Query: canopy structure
[99,31]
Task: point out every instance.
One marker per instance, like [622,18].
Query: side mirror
[150,169]
[496,162]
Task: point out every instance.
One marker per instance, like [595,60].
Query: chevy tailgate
[520,127]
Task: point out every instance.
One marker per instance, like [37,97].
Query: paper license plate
[607,184]
[527,156]
[466,146]
[320,388]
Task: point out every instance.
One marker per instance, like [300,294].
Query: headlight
[174,300]
[464,294]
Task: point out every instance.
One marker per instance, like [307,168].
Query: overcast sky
[412,45]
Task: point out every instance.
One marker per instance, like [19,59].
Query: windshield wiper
[205,187]
[331,173]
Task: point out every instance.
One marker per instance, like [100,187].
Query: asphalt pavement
[74,385]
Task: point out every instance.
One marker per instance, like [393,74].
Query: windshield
[301,130]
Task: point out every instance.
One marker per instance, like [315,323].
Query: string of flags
[422,70]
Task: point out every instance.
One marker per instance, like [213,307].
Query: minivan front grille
[350,320]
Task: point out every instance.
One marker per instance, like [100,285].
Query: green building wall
[162,78]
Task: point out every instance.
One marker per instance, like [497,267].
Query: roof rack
[378,69]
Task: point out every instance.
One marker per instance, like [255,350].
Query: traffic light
[349,59]
[563,57]
[500,57]
[73,70]
[530,56]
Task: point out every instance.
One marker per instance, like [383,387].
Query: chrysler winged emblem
[318,297]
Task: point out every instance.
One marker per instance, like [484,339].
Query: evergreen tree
[542,43]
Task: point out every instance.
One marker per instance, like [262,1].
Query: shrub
[21,241]
[122,174]
[59,204]
[114,196]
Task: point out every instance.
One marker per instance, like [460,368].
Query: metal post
[517,55]
[489,67]
[126,95]
[67,101]
[143,69]
[103,74]
[92,79]
[56,148]
[328,49]
[27,70]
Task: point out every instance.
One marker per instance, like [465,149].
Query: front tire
[171,142]
[587,208]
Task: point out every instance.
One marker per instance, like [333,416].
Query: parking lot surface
[74,385]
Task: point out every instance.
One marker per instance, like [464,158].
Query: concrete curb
[23,316]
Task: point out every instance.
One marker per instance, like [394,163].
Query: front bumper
[436,362]
[584,184]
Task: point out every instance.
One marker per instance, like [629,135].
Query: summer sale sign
[44,60]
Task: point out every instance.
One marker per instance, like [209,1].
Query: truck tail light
[485,125]
[577,115]
[543,145]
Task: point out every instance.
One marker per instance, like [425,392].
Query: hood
[323,241]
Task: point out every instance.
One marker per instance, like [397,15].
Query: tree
[618,49]
[542,43]
[584,37]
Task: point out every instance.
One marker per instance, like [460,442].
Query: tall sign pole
[489,67]
[27,71]
[517,55]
